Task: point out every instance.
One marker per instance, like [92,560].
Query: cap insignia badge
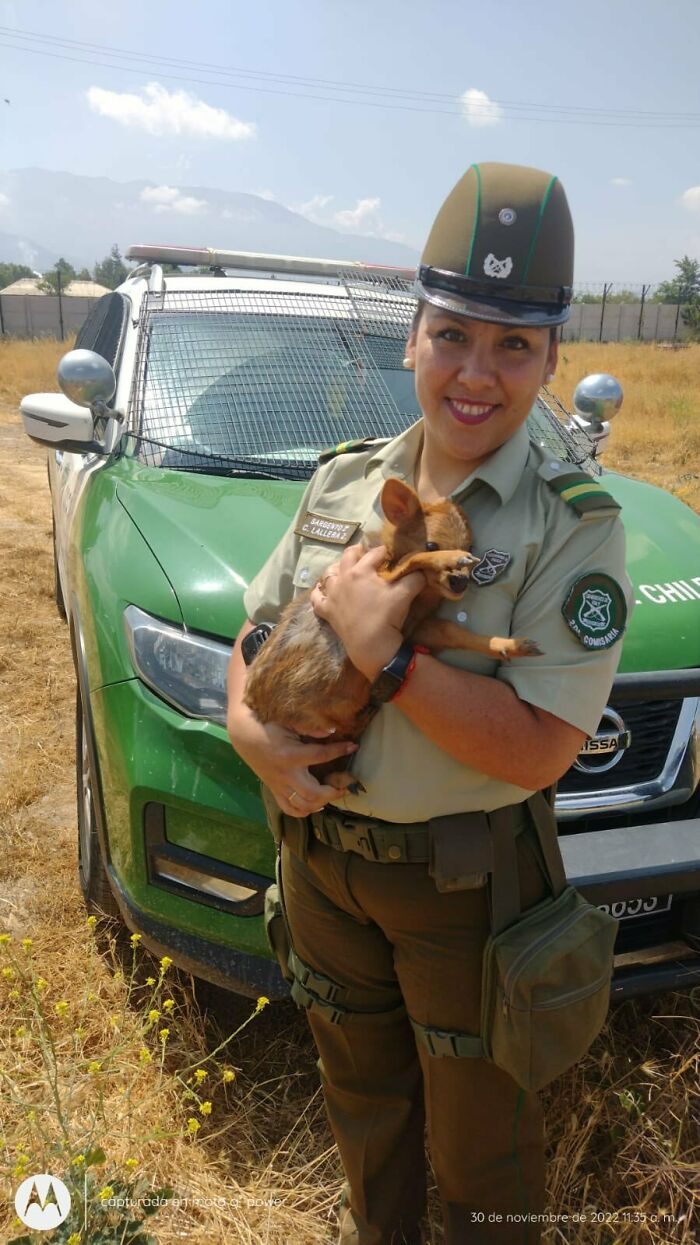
[497,267]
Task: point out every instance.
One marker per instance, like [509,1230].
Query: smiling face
[476,382]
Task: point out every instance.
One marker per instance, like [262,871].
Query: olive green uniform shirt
[512,509]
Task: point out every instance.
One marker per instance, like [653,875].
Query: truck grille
[651,724]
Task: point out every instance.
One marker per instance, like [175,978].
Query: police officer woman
[385,891]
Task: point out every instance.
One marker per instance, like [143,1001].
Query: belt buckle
[360,836]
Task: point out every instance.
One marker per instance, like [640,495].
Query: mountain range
[46,214]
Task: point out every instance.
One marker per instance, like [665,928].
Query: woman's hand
[278,757]
[365,611]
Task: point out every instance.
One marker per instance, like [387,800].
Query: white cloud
[363,218]
[478,109]
[313,208]
[620,181]
[266,194]
[169,199]
[691,199]
[159,111]
[4,200]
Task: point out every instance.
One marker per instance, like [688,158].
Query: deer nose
[458,583]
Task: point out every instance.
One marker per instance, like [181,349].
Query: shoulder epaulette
[579,490]
[352,447]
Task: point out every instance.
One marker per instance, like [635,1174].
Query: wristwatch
[390,679]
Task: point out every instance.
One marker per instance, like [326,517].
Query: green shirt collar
[502,470]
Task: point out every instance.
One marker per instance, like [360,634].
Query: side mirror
[597,399]
[61,420]
[86,378]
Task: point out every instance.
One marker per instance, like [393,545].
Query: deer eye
[431,547]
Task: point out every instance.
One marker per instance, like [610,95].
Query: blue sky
[634,190]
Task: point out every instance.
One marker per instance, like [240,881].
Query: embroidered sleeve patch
[595,609]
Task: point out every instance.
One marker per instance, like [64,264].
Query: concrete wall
[37,315]
[660,322]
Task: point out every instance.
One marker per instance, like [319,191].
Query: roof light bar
[297,264]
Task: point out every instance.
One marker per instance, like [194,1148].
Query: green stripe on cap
[477,214]
[545,200]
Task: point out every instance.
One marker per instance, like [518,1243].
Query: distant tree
[111,271]
[684,287]
[83,275]
[49,284]
[13,272]
[613,296]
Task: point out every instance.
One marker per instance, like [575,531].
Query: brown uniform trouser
[408,950]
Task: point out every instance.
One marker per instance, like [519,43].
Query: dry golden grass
[29,366]
[622,1126]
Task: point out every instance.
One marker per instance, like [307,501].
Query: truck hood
[211,535]
[663,563]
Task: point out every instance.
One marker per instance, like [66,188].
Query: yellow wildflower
[4,938]
[131,1163]
[20,1166]
[145,1055]
[92,997]
[74,1239]
[91,922]
[168,1005]
[108,1191]
[135,940]
[193,1125]
[228,1075]
[150,981]
[200,1075]
[114,1020]
[31,1116]
[165,962]
[153,1015]
[94,1066]
[27,943]
[8,972]
[20,1031]
[79,1160]
[61,1008]
[205,1108]
[80,1031]
[163,1034]
[13,994]
[41,984]
[262,1002]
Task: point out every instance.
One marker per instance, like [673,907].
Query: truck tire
[94,882]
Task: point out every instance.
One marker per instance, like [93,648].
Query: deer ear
[399,502]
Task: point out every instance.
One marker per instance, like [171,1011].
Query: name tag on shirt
[321,527]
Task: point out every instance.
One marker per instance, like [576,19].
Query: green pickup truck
[192,414]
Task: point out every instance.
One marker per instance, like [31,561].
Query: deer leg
[450,560]
[437,633]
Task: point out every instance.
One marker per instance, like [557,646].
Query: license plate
[625,909]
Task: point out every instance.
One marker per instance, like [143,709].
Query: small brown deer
[302,678]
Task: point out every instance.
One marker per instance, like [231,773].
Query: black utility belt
[457,847]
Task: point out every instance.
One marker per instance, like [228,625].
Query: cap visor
[494,310]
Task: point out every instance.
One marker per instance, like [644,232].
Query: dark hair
[553,331]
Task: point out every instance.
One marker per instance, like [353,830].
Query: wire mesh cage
[257,381]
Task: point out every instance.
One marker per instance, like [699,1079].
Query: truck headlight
[187,670]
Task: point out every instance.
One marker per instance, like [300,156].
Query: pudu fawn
[301,677]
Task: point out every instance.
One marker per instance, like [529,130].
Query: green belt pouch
[546,975]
